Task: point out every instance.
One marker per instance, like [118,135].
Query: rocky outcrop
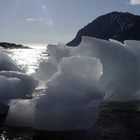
[12,45]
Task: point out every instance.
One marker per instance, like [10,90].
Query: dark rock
[115,25]
[3,113]
[7,45]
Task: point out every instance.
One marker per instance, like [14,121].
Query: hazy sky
[51,21]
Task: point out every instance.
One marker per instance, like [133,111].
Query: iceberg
[77,80]
[72,96]
[14,85]
[7,64]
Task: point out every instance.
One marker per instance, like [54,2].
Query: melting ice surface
[76,80]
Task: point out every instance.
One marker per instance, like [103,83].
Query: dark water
[7,133]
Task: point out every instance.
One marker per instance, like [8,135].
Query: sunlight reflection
[29,59]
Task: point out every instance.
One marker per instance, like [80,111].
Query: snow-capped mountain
[115,25]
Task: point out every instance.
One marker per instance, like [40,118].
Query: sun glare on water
[29,59]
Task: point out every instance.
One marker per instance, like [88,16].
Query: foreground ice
[120,79]
[7,64]
[21,113]
[13,83]
[72,96]
[77,80]
[46,69]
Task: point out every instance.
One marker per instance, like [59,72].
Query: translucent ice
[72,96]
[15,85]
[7,64]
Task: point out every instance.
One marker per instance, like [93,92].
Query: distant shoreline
[7,45]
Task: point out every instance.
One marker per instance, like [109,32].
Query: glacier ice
[7,64]
[14,85]
[49,67]
[21,113]
[46,69]
[120,67]
[58,51]
[72,96]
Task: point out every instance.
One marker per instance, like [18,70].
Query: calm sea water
[29,59]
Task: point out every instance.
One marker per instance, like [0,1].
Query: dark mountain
[115,25]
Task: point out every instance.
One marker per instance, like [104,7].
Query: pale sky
[52,21]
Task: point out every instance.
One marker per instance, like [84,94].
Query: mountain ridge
[115,25]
